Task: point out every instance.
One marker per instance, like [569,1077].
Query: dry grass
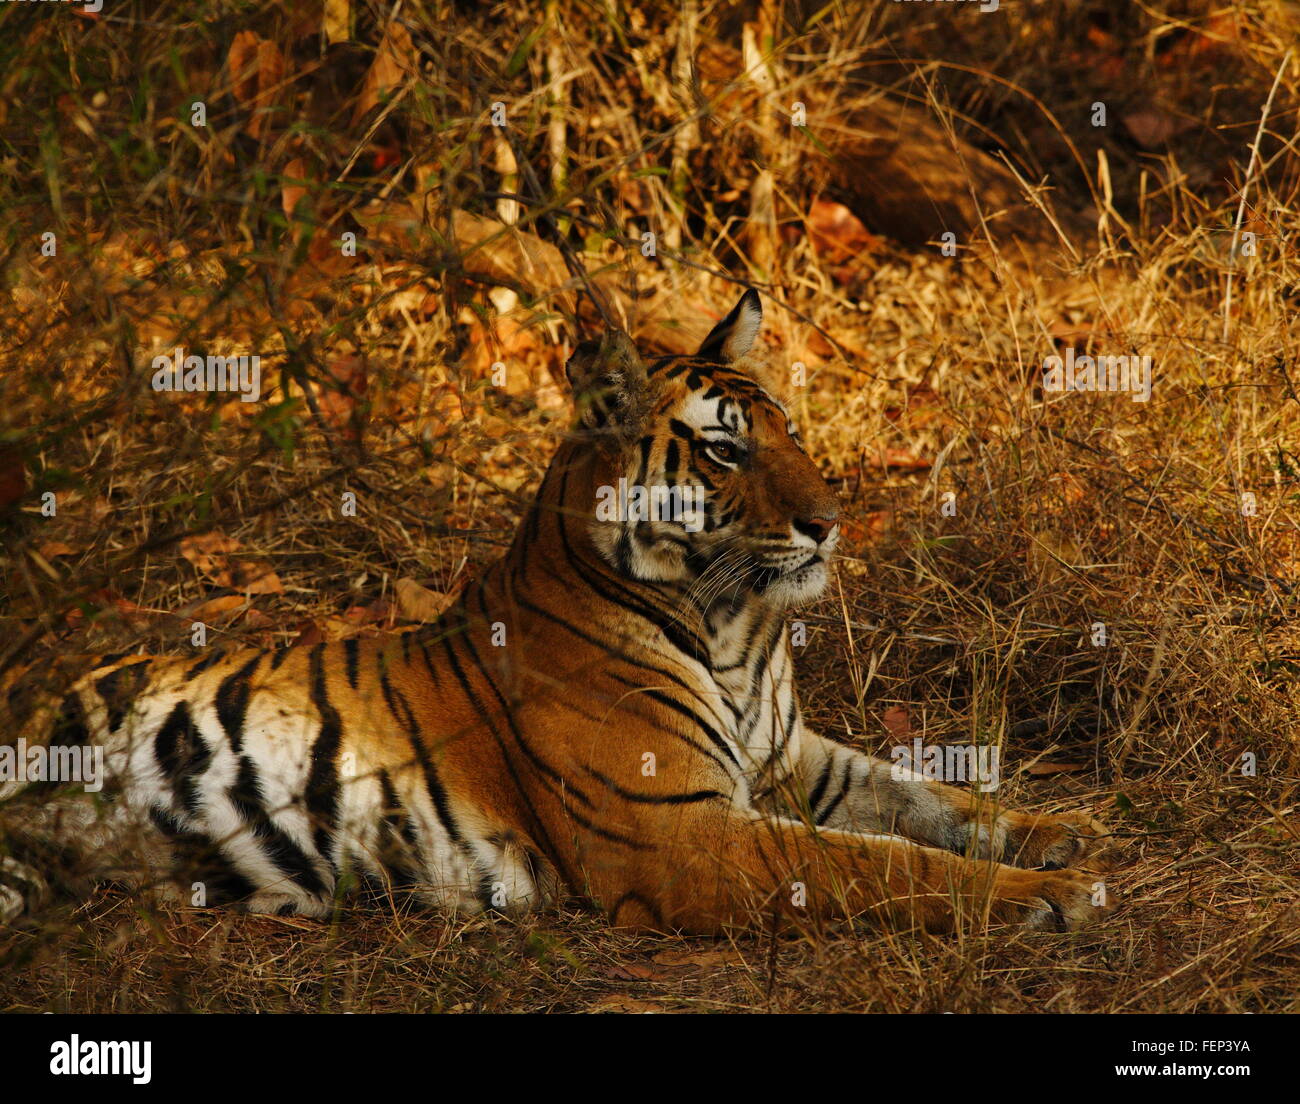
[1070,509]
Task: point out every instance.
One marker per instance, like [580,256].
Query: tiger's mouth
[770,573]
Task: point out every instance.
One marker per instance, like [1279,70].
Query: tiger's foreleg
[841,788]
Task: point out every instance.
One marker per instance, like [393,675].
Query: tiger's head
[702,480]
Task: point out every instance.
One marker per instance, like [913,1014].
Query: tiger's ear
[734,335]
[610,385]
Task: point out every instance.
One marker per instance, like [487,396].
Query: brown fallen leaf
[1050,555]
[705,958]
[418,603]
[1041,769]
[622,1002]
[131,613]
[840,238]
[220,608]
[899,459]
[634,971]
[338,400]
[52,550]
[393,65]
[208,551]
[897,722]
[292,185]
[254,577]
[337,25]
[257,72]
[1152,128]
[309,633]
[211,554]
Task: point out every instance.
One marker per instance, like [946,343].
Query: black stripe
[399,847]
[202,860]
[677,734]
[119,690]
[665,621]
[715,737]
[404,716]
[232,702]
[608,648]
[537,761]
[562,787]
[183,756]
[814,798]
[538,829]
[428,664]
[644,902]
[290,859]
[322,794]
[825,814]
[437,793]
[351,652]
[690,798]
[401,709]
[203,664]
[71,729]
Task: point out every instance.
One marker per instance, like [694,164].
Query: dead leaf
[221,608]
[257,73]
[1152,128]
[709,957]
[1041,769]
[840,238]
[254,577]
[633,971]
[309,633]
[211,554]
[132,613]
[338,401]
[337,25]
[52,550]
[374,613]
[394,63]
[256,619]
[292,188]
[899,459]
[418,603]
[622,1002]
[208,551]
[1070,488]
[897,722]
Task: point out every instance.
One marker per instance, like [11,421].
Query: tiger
[607,715]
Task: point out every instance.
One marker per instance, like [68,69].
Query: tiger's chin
[795,588]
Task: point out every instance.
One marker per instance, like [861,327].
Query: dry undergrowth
[1071,510]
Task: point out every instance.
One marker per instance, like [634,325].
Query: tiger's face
[705,484]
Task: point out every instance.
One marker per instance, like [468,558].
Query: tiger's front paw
[1063,900]
[1056,840]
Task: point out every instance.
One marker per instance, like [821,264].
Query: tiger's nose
[819,528]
